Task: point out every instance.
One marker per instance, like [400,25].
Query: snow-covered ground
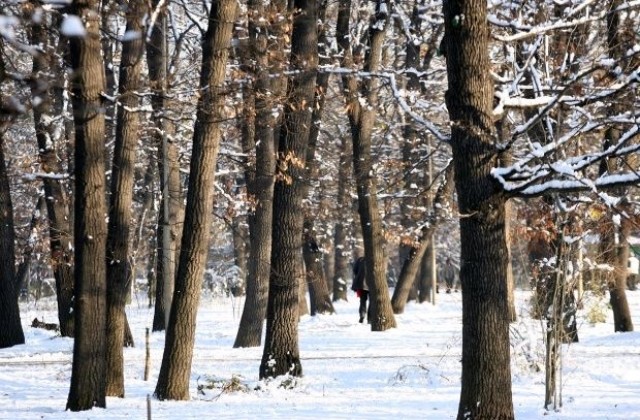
[412,371]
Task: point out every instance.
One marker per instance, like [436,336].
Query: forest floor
[412,371]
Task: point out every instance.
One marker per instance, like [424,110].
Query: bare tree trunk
[11,332]
[239,233]
[418,248]
[486,372]
[428,276]
[513,316]
[119,270]
[616,254]
[49,124]
[88,374]
[411,200]
[27,252]
[173,380]
[340,243]
[617,289]
[171,212]
[319,296]
[281,353]
[614,238]
[259,142]
[361,120]
[144,247]
[303,305]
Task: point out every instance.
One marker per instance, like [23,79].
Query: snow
[131,36]
[412,371]
[72,26]
[7,26]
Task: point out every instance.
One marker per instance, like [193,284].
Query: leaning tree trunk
[175,371]
[281,353]
[319,296]
[11,332]
[486,372]
[119,271]
[361,119]
[88,372]
[411,201]
[259,142]
[48,117]
[418,249]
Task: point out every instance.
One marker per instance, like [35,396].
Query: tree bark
[173,380]
[119,272]
[340,244]
[616,251]
[411,200]
[48,119]
[169,230]
[319,296]
[622,320]
[88,372]
[239,233]
[265,31]
[486,374]
[418,248]
[361,119]
[281,353]
[11,332]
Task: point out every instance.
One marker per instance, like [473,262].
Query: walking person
[449,274]
[359,286]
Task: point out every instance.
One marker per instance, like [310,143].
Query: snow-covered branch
[531,31]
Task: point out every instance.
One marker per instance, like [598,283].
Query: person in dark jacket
[449,273]
[359,286]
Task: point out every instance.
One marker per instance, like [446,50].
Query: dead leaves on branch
[286,162]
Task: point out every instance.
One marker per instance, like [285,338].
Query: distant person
[449,274]
[359,286]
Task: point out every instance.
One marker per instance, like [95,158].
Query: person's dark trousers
[364,295]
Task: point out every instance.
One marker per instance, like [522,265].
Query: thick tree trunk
[259,143]
[622,320]
[366,184]
[49,126]
[486,372]
[281,353]
[11,332]
[88,374]
[319,297]
[616,252]
[361,119]
[119,273]
[175,371]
